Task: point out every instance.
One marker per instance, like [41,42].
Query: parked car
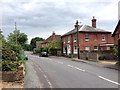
[43,54]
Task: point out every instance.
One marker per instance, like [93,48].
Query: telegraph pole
[78,48]
[16,33]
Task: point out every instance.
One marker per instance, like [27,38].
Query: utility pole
[78,48]
[16,33]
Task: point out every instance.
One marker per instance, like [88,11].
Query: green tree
[34,40]
[27,47]
[54,47]
[17,37]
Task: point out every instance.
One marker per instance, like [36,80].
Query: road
[60,72]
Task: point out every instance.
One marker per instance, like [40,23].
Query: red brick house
[51,38]
[90,39]
[116,33]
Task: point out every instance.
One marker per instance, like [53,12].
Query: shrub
[7,65]
[102,57]
[8,54]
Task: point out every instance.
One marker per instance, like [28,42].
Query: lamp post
[78,48]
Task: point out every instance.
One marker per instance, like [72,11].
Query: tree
[34,40]
[54,47]
[17,37]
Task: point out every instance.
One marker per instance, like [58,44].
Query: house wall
[94,40]
[117,35]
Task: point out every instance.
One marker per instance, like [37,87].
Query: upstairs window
[75,38]
[68,39]
[103,37]
[87,37]
[64,40]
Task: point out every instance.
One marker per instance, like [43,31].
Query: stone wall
[11,76]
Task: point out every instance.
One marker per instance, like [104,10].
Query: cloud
[41,17]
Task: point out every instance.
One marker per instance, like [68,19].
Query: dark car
[43,54]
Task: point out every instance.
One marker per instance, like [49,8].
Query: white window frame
[68,39]
[87,48]
[103,37]
[64,50]
[95,48]
[64,40]
[87,37]
[75,37]
[75,49]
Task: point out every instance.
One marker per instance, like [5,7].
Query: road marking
[45,76]
[79,69]
[59,62]
[70,66]
[76,68]
[109,80]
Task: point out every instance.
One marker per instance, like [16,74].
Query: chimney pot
[94,22]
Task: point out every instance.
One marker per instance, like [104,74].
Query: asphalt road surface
[60,72]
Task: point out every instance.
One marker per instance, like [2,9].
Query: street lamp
[78,48]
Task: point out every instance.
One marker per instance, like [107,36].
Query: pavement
[111,64]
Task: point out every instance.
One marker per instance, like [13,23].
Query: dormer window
[87,37]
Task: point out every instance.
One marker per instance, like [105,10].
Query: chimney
[53,33]
[93,22]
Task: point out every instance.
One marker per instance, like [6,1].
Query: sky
[39,18]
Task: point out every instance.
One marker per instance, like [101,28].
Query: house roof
[116,28]
[85,28]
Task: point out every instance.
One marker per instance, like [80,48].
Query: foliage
[102,57]
[10,56]
[54,47]
[34,40]
[27,47]
[114,50]
[17,37]
[9,66]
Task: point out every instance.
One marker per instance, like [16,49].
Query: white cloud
[36,16]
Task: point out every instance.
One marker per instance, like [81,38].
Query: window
[75,38]
[95,47]
[86,37]
[64,51]
[75,49]
[68,39]
[103,37]
[64,40]
[87,48]
[95,37]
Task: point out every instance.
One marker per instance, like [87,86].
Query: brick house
[116,33]
[51,38]
[90,39]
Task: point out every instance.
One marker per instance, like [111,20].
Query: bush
[102,57]
[71,55]
[8,54]
[7,65]
[11,56]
